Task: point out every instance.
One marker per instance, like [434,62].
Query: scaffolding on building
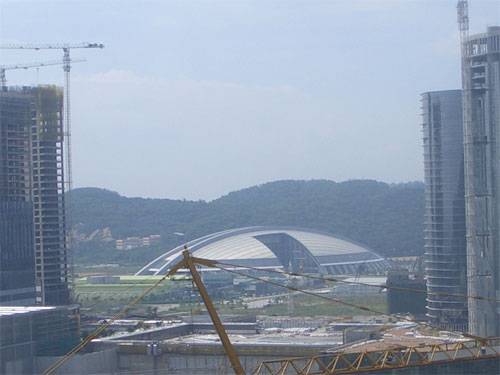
[481,106]
[53,273]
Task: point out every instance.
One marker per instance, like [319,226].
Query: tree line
[387,218]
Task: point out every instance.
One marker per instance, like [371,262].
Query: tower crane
[36,64]
[66,62]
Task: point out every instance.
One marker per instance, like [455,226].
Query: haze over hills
[386,217]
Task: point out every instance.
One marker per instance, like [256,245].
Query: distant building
[129,243]
[134,242]
[152,240]
[481,111]
[445,243]
[405,301]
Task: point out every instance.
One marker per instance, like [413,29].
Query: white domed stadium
[288,249]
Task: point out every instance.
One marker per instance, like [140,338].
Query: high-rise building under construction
[481,117]
[445,244]
[17,264]
[39,112]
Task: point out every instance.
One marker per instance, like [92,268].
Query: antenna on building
[463,16]
[463,27]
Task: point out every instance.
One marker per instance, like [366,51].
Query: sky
[193,99]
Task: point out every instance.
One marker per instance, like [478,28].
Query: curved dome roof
[287,248]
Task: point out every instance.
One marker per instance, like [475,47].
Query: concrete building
[445,243]
[134,242]
[405,301]
[481,113]
[49,207]
[31,171]
[129,243]
[27,332]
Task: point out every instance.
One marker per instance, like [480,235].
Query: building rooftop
[13,310]
[297,337]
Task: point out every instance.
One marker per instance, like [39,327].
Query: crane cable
[94,334]
[361,283]
[364,308]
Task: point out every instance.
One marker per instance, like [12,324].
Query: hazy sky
[194,99]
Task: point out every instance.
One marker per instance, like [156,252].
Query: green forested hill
[387,218]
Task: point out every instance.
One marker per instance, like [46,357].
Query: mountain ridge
[385,217]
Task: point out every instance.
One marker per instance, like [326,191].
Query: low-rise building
[27,332]
[134,242]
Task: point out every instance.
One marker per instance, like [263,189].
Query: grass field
[104,297]
[111,297]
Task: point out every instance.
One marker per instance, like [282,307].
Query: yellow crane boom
[383,360]
[189,263]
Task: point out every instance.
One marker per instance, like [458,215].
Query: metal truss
[369,361]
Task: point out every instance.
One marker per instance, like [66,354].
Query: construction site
[381,342]
[441,317]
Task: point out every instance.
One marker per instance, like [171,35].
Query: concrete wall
[104,362]
[200,359]
[352,334]
[173,363]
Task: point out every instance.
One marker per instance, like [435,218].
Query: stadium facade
[281,248]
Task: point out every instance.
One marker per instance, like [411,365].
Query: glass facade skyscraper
[445,241]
